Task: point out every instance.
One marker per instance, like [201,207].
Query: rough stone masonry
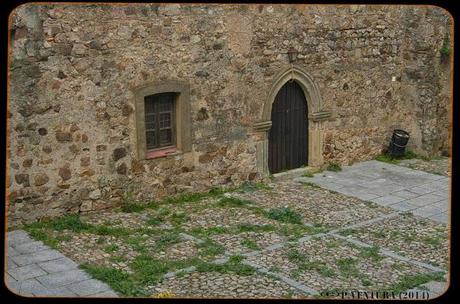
[74,71]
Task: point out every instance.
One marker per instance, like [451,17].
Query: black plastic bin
[398,143]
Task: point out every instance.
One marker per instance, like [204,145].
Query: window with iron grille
[160,120]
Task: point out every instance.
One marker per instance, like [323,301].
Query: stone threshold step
[298,172]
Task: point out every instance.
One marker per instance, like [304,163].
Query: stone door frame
[316,117]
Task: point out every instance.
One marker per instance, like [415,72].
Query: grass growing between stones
[348,267]
[130,206]
[233,265]
[308,174]
[371,253]
[147,271]
[411,281]
[206,232]
[155,221]
[69,222]
[232,202]
[303,264]
[41,234]
[111,248]
[309,184]
[117,259]
[41,230]
[255,228]
[251,187]
[118,280]
[137,242]
[45,231]
[434,241]
[166,239]
[73,223]
[386,158]
[274,269]
[151,245]
[294,232]
[285,215]
[250,244]
[179,218]
[150,270]
[193,197]
[209,248]
[334,167]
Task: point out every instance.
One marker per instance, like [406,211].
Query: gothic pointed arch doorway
[288,135]
[315,113]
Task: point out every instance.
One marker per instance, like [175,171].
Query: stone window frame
[183,117]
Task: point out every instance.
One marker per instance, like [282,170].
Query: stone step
[298,172]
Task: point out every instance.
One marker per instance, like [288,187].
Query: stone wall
[74,70]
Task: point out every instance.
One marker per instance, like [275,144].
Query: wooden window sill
[162,153]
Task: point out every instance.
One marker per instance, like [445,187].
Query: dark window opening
[159,120]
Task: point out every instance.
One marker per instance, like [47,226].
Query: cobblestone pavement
[439,166]
[400,188]
[287,239]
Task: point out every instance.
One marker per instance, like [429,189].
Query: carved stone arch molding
[316,116]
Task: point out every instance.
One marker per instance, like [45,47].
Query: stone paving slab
[26,272]
[427,210]
[18,237]
[388,200]
[58,265]
[63,278]
[105,294]
[34,269]
[11,264]
[29,248]
[440,217]
[397,187]
[433,289]
[89,287]
[436,287]
[36,257]
[33,287]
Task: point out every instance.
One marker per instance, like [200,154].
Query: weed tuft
[167,239]
[129,206]
[250,244]
[254,228]
[410,281]
[155,221]
[232,265]
[309,184]
[120,281]
[111,248]
[371,253]
[209,248]
[233,202]
[249,186]
[334,167]
[285,215]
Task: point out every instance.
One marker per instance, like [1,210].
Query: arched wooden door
[288,136]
